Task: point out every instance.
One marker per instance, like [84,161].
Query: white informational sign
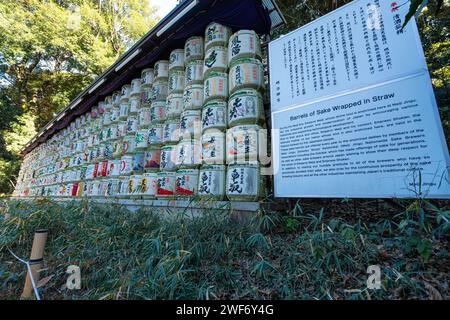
[353,108]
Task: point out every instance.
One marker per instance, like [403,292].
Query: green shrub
[151,255]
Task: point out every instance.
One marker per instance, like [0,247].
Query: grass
[306,254]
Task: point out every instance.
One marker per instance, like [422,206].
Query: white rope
[29,272]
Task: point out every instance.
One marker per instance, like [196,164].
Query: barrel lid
[188,171]
[245,60]
[175,95]
[197,62]
[215,103]
[166,174]
[244,31]
[156,104]
[247,164]
[245,127]
[220,167]
[190,142]
[177,51]
[194,86]
[213,131]
[147,70]
[171,121]
[218,48]
[162,62]
[246,92]
[160,81]
[217,74]
[191,113]
[175,71]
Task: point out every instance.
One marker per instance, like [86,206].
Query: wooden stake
[36,256]
[4,207]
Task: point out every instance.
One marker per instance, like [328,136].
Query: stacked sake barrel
[189,126]
[245,116]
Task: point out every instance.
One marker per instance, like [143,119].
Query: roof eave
[98,83]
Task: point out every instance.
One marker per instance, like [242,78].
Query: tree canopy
[50,50]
